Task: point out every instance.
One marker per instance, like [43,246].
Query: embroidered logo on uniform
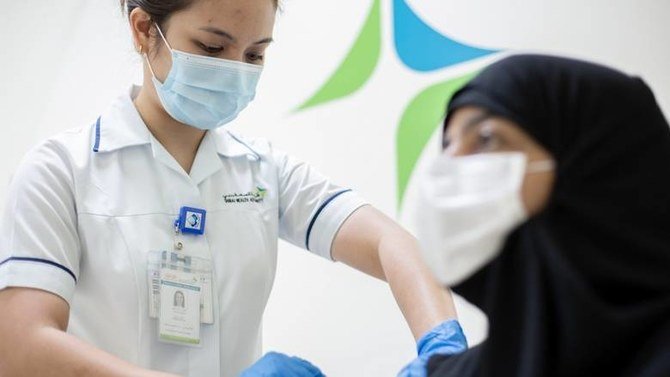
[256,196]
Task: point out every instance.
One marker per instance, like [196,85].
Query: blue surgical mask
[205,92]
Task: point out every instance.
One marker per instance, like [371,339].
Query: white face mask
[467,208]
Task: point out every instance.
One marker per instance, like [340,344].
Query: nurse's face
[238,30]
[471,131]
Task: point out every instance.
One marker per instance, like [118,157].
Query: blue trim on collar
[318,212]
[38,260]
[96,146]
[258,156]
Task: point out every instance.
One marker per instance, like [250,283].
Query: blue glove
[445,339]
[275,364]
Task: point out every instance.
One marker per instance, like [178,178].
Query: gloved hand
[445,339]
[275,364]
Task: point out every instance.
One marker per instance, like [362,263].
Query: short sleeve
[39,244]
[311,208]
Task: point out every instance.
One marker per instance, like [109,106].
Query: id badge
[202,268]
[179,318]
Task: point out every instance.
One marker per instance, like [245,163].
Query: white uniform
[85,207]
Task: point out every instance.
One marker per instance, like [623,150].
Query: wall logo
[421,49]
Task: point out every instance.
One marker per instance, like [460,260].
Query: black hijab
[582,289]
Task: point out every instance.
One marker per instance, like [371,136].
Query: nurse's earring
[148,62]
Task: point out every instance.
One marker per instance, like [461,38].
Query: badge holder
[180,287]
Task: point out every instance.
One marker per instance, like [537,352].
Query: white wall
[63,61]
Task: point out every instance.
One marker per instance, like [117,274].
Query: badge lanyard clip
[191,221]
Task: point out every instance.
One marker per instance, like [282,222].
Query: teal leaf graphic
[424,49]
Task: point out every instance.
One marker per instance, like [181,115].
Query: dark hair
[160,10]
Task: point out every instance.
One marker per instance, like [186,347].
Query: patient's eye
[487,139]
[445,142]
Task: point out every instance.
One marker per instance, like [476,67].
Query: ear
[140,26]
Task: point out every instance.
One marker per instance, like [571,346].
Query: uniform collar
[230,145]
[121,126]
[208,159]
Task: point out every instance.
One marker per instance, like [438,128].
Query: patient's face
[472,131]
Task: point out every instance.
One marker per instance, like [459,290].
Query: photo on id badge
[179,300]
[179,320]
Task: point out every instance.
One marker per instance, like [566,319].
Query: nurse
[145,244]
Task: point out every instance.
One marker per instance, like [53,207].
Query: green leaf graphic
[358,65]
[420,119]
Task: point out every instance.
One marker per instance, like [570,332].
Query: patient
[550,210]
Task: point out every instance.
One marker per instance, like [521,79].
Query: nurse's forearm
[33,341]
[60,354]
[424,303]
[375,244]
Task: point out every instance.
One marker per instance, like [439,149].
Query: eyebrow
[469,125]
[228,36]
[475,121]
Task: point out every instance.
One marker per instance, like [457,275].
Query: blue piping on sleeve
[37,260]
[318,212]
